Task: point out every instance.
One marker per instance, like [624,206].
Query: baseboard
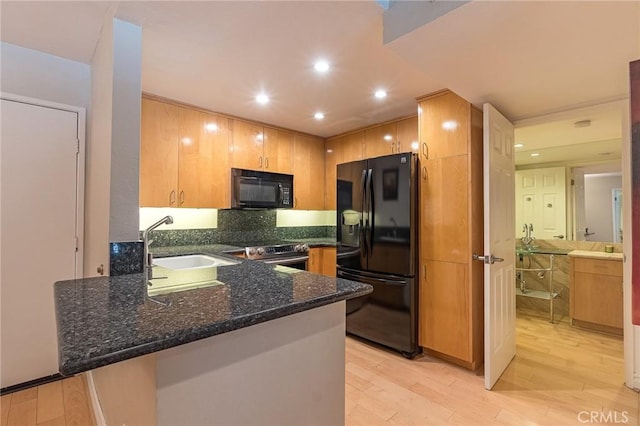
[31,383]
[94,400]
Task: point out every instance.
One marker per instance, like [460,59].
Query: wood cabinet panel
[322,260]
[407,135]
[445,309]
[595,290]
[247,145]
[337,151]
[308,172]
[203,175]
[444,125]
[183,162]
[444,209]
[598,266]
[380,140]
[277,150]
[159,154]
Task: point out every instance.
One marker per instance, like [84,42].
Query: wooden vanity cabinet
[308,172]
[595,289]
[451,304]
[183,157]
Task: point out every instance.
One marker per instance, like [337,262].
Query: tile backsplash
[238,227]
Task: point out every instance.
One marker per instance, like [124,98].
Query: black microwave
[251,189]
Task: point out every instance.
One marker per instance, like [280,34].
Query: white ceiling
[526,58]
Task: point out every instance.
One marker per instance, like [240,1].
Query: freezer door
[392,215]
[388,315]
[351,220]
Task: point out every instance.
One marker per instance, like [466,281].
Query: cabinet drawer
[598,266]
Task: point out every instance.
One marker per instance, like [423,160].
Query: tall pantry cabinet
[451,229]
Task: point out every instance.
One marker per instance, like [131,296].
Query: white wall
[39,75]
[113,152]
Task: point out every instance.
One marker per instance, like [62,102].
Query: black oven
[294,255]
[252,189]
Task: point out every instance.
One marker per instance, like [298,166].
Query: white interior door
[38,233]
[499,244]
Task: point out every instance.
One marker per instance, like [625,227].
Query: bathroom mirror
[568,174]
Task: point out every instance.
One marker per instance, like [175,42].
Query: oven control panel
[281,250]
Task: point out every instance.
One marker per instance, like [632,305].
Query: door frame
[631,333]
[80,165]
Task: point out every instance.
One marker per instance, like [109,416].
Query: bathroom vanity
[596,290]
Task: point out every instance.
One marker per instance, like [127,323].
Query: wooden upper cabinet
[277,150]
[183,160]
[342,149]
[247,145]
[204,178]
[308,172]
[160,124]
[444,210]
[380,140]
[444,125]
[407,135]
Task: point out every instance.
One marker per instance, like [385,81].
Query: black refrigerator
[377,228]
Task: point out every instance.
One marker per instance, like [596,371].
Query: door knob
[489,260]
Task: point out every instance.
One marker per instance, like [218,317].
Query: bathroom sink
[193,261]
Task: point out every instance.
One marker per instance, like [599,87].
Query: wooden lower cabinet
[595,288]
[448,305]
[322,260]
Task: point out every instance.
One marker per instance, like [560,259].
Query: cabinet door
[407,131]
[380,140]
[598,299]
[337,151]
[315,260]
[444,309]
[278,150]
[159,154]
[329,261]
[444,213]
[247,145]
[204,176]
[444,125]
[308,172]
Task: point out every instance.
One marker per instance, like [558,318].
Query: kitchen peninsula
[238,344]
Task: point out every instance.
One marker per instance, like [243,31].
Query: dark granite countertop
[105,320]
[316,242]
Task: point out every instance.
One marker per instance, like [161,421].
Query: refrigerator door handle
[366,278]
[372,211]
[363,218]
[368,209]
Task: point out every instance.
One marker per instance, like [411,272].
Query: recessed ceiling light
[211,127]
[318,115]
[535,154]
[518,145]
[380,94]
[387,137]
[321,66]
[582,123]
[262,98]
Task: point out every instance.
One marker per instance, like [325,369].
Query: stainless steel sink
[193,261]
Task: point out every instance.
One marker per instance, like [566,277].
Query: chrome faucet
[528,229]
[148,257]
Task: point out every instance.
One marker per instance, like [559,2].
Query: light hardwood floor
[560,375]
[61,403]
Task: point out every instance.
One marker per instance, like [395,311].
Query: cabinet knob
[393,147]
[181,197]
[172,197]
[425,150]
[424,172]
[398,149]
[260,162]
[266,162]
